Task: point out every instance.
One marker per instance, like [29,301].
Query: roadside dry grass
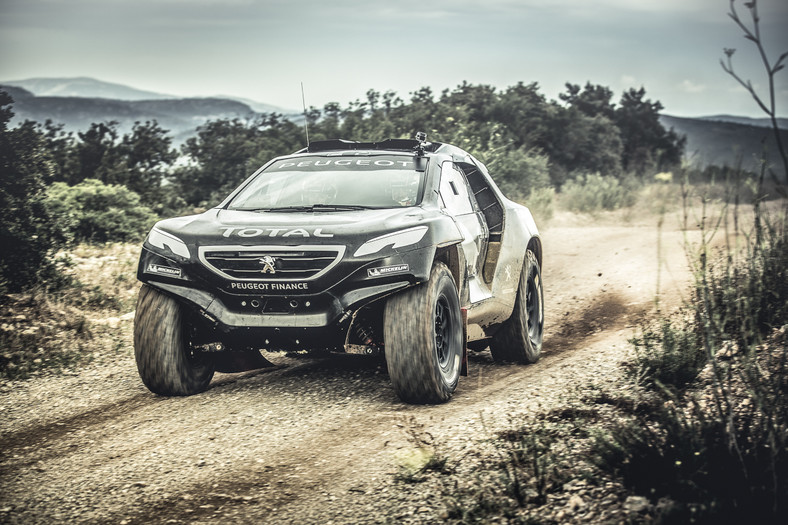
[51,332]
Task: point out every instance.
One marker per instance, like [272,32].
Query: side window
[454,191]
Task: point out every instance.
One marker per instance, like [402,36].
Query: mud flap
[229,362]
[464,366]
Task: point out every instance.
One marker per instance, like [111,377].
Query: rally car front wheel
[423,339]
[166,361]
[519,340]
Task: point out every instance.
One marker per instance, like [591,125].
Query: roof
[411,145]
[402,145]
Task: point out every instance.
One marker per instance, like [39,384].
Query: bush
[30,232]
[743,300]
[592,192]
[519,172]
[719,454]
[670,356]
[99,213]
[540,202]
[518,471]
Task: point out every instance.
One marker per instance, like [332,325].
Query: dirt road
[314,439]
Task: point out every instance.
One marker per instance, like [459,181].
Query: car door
[459,203]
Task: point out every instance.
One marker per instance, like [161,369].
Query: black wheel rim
[444,334]
[533,306]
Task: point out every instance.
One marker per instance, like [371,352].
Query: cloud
[691,87]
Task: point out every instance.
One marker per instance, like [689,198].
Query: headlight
[395,240]
[166,241]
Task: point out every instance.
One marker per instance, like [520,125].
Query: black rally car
[401,246]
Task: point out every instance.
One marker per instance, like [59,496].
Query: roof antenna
[306,120]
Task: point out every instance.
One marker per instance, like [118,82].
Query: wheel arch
[535,245]
[453,258]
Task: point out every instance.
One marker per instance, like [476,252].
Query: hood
[220,226]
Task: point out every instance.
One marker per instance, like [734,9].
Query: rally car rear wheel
[423,339]
[520,338]
[166,361]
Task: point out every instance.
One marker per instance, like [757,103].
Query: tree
[468,120]
[220,152]
[577,142]
[647,145]
[593,101]
[524,113]
[30,233]
[60,145]
[225,152]
[140,160]
[96,154]
[146,158]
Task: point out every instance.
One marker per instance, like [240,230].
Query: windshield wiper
[320,207]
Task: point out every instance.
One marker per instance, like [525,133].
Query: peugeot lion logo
[267,263]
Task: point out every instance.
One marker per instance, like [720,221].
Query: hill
[712,140]
[92,88]
[83,87]
[78,102]
[180,116]
[763,122]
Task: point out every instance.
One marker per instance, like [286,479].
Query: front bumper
[315,316]
[305,311]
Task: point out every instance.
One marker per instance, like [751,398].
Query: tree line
[58,187]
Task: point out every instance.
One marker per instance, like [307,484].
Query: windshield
[334,183]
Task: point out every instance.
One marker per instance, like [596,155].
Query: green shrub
[540,201]
[30,231]
[592,192]
[669,356]
[719,453]
[519,172]
[99,213]
[744,300]
[519,470]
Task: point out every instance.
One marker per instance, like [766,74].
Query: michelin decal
[386,270]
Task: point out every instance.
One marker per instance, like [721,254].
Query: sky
[339,49]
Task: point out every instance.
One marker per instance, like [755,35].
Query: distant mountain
[17,93]
[782,123]
[78,102]
[180,116]
[264,108]
[91,88]
[712,140]
[83,87]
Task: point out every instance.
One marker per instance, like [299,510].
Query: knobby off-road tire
[165,361]
[422,332]
[519,340]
